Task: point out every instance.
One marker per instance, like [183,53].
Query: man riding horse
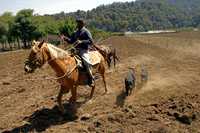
[65,65]
[83,40]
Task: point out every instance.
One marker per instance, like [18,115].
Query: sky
[52,6]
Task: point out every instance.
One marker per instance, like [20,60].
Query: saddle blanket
[92,57]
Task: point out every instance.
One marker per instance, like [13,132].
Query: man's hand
[62,36]
[78,41]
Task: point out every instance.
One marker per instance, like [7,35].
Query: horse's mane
[57,52]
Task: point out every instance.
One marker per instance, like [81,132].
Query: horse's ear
[33,43]
[40,44]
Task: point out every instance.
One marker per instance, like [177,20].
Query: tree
[5,20]
[25,26]
[67,27]
[3,34]
[14,33]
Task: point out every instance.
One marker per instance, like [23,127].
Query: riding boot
[91,77]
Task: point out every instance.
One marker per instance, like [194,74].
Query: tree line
[18,31]
[141,15]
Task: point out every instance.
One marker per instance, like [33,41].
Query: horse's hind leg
[72,99]
[114,60]
[109,61]
[104,82]
[92,92]
[102,72]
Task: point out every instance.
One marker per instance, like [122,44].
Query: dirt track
[169,102]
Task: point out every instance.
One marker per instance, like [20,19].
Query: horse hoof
[90,101]
[62,111]
[72,101]
[106,92]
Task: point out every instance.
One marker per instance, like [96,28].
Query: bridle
[36,62]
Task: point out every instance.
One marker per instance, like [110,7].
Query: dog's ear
[40,44]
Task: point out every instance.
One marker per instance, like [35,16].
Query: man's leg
[86,61]
[91,77]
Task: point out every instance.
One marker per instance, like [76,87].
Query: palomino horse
[108,53]
[66,67]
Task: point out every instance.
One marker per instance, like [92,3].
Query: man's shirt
[83,35]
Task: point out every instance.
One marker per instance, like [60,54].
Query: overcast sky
[52,6]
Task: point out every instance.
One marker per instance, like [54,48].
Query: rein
[66,74]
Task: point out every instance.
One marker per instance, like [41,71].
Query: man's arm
[89,36]
[70,40]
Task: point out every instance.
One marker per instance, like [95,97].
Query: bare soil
[169,102]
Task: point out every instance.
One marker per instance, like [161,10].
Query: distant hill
[186,5]
[142,15]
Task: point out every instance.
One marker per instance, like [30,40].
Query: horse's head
[36,58]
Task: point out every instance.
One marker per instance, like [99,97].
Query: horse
[66,68]
[109,53]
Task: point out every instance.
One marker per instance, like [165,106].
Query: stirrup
[79,62]
[91,82]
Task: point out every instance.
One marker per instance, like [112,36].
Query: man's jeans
[86,60]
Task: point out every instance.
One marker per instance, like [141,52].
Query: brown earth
[168,102]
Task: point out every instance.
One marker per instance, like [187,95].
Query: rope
[53,78]
[66,74]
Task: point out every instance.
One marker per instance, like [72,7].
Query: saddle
[94,59]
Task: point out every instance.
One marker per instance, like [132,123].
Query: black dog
[130,81]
